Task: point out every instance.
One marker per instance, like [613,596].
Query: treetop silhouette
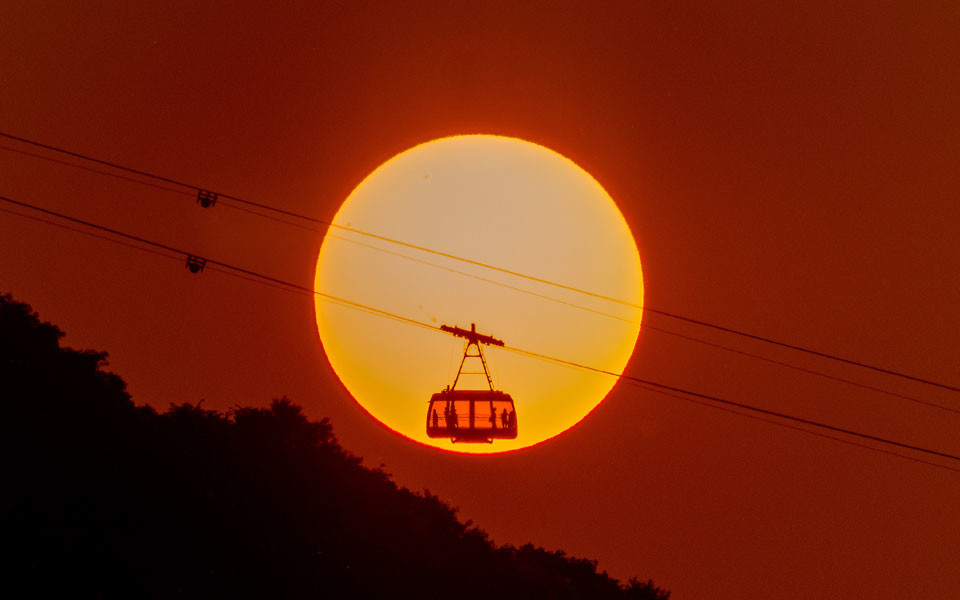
[112,500]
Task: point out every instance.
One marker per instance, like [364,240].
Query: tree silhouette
[107,499]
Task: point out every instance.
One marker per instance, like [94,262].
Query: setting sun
[494,200]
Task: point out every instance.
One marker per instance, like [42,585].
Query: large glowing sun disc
[494,200]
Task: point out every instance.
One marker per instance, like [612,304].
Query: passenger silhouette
[453,418]
[504,419]
[436,419]
[446,416]
[493,419]
[512,419]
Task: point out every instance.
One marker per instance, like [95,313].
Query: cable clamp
[207,199]
[195,264]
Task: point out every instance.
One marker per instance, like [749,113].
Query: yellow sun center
[502,202]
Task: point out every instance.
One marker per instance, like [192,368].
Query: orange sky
[785,170]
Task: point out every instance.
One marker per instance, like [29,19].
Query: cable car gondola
[475,416]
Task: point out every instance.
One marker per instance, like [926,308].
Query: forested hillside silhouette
[106,499]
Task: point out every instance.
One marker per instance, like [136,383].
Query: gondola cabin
[472,416]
